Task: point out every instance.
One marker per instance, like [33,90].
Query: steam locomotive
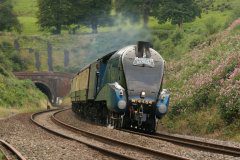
[123,89]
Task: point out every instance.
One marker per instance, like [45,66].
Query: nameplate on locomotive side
[145,61]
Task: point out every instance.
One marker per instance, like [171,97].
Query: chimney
[143,49]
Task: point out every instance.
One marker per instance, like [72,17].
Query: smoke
[121,34]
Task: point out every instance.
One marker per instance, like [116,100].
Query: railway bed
[9,151]
[111,147]
[146,140]
[206,146]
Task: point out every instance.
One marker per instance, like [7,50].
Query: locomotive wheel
[126,122]
[151,125]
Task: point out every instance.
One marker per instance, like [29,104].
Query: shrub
[162,35]
[176,37]
[204,96]
[179,107]
[229,102]
[235,15]
[211,26]
[10,59]
[195,42]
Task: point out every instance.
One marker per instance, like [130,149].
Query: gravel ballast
[71,118]
[35,143]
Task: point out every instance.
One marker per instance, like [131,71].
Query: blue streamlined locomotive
[122,89]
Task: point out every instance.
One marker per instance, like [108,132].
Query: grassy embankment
[193,53]
[1,156]
[16,96]
[205,87]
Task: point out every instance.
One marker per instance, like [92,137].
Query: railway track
[9,151]
[109,146]
[206,146]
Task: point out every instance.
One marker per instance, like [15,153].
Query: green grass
[25,7]
[26,11]
[29,25]
[27,108]
[2,157]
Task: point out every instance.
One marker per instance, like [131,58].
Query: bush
[229,102]
[17,93]
[211,26]
[235,15]
[195,42]
[162,35]
[176,37]
[204,96]
[179,107]
[10,59]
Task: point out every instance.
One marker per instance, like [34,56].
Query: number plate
[145,61]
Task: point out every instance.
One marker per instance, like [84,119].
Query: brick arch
[57,83]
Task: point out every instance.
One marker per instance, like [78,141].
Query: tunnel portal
[54,85]
[45,89]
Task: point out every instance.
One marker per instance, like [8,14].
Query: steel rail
[160,154]
[111,153]
[212,147]
[12,150]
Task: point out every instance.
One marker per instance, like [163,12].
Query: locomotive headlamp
[143,94]
[122,104]
[162,108]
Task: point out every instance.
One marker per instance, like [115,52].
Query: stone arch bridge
[54,85]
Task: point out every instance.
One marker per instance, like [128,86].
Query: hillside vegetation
[205,87]
[16,95]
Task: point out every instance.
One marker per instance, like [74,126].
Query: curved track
[112,147]
[12,153]
[206,146]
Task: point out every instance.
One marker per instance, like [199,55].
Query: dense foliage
[94,13]
[15,93]
[8,20]
[136,9]
[10,58]
[177,12]
[18,93]
[208,84]
[53,14]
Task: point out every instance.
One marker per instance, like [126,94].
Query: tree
[8,20]
[92,13]
[56,13]
[53,14]
[135,9]
[177,11]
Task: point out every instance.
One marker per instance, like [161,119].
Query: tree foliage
[53,14]
[177,11]
[92,13]
[136,9]
[56,13]
[8,20]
